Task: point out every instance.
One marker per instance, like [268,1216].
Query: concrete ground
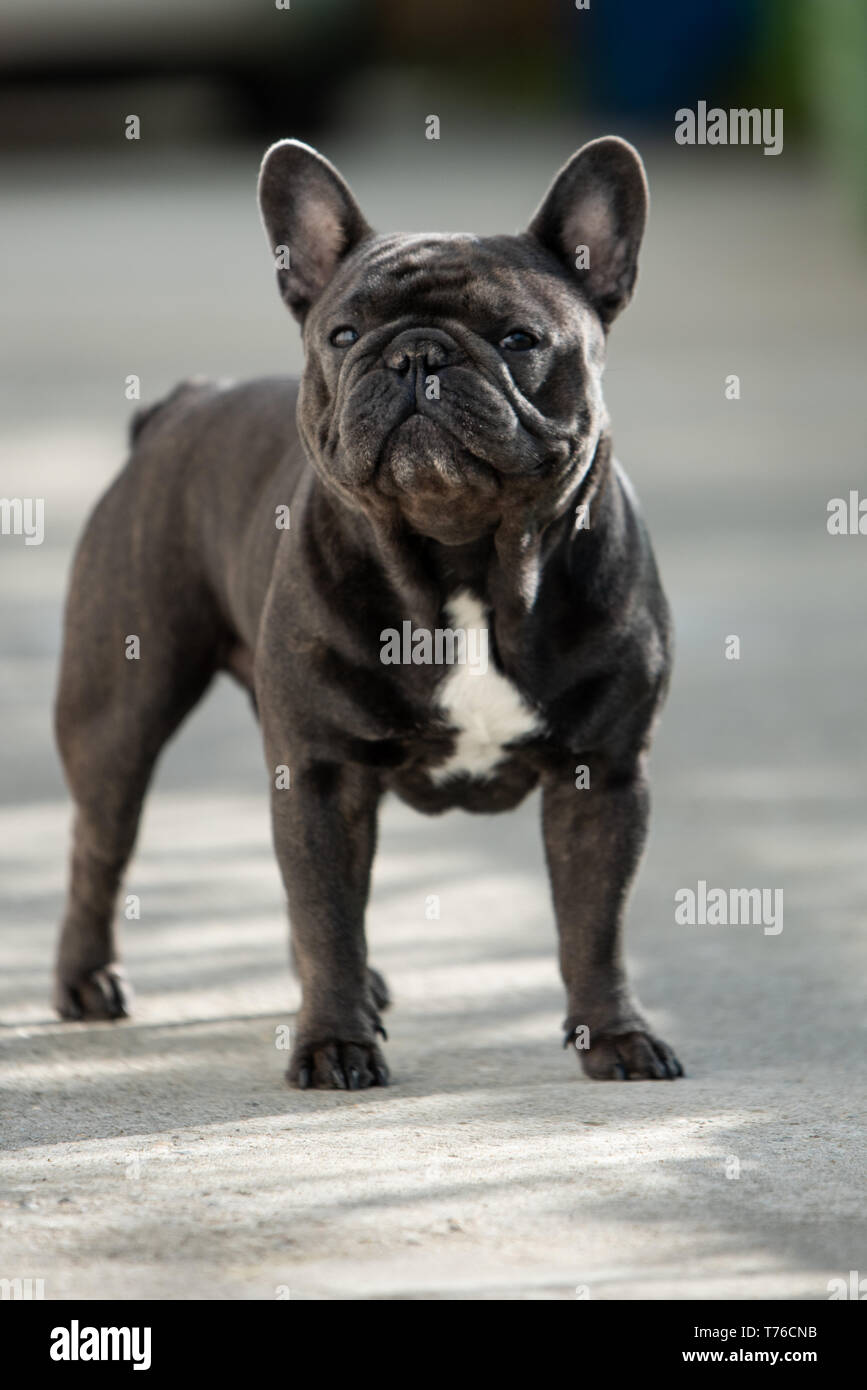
[164,1157]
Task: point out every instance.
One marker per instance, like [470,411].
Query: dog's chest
[482,707]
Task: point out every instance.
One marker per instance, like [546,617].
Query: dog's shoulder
[261,399]
[143,417]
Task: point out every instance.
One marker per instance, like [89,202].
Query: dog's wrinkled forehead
[456,276]
[582,241]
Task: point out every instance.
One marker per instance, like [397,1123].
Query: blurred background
[229,70]
[224,69]
[145,257]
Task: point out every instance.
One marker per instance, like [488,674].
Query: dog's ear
[311,220]
[593,217]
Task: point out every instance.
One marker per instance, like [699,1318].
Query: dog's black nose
[415,351]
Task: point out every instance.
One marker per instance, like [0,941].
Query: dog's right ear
[597,205]
[311,220]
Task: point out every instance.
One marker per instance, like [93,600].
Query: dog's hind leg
[133,666]
[109,754]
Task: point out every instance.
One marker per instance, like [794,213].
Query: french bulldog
[443,467]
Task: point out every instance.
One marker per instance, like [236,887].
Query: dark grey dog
[447,461]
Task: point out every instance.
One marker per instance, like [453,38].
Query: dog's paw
[95,994]
[337,1066]
[378,988]
[630,1054]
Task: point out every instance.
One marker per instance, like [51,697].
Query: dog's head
[453,378]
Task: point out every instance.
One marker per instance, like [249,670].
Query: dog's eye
[518,341]
[345,336]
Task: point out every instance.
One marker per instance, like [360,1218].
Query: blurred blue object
[641,59]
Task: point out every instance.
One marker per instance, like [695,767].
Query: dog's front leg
[325,835]
[594,837]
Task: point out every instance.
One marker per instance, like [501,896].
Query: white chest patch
[482,706]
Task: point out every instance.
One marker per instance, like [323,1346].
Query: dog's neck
[504,569]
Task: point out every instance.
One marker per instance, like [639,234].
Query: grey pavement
[164,1157]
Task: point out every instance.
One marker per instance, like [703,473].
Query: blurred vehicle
[264,62]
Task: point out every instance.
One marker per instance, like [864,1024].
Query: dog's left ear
[593,217]
[311,220]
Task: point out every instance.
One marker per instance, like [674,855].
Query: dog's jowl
[447,464]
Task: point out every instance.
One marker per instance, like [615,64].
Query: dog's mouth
[469,433]
[441,489]
[421,455]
